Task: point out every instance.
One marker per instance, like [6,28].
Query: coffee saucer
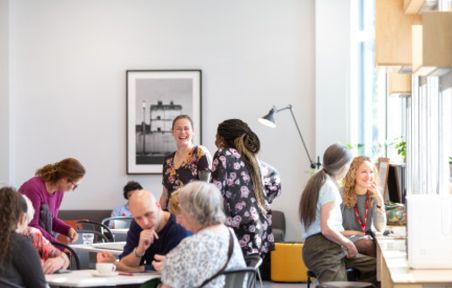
[110,274]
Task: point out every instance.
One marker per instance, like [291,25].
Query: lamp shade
[268,119]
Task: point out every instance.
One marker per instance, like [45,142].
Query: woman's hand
[72,234]
[350,249]
[375,195]
[53,264]
[158,262]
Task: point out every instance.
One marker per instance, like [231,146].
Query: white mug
[105,268]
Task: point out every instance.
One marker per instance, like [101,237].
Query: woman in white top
[363,207]
[326,251]
[212,247]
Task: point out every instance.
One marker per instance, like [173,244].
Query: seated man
[123,210]
[153,231]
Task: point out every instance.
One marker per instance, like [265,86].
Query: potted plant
[400,145]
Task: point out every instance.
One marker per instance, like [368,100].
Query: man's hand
[147,237]
[105,257]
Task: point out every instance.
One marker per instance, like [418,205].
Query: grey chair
[238,278]
[255,261]
[117,222]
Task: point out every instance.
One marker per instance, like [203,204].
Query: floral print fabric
[175,178]
[45,249]
[199,257]
[232,177]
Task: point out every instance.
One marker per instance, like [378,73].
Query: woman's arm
[332,234]
[348,233]
[164,198]
[379,215]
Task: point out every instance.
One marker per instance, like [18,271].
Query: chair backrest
[238,278]
[101,232]
[73,257]
[278,225]
[253,261]
[117,222]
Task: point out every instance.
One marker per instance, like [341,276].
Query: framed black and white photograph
[154,99]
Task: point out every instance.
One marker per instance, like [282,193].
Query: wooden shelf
[399,84]
[393,34]
[419,6]
[432,44]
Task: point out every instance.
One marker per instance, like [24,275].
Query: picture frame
[383,171]
[153,99]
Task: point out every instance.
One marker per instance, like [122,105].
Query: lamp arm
[313,165]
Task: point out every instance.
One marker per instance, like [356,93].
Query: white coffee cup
[105,268]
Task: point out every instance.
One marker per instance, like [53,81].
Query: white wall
[4,94]
[69,69]
[332,64]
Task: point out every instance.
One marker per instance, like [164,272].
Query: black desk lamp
[269,120]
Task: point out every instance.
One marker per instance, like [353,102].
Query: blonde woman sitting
[362,206]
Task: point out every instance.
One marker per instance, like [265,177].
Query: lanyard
[361,224]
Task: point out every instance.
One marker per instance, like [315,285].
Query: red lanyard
[361,224]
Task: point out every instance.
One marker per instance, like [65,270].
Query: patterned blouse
[173,179]
[45,249]
[199,257]
[232,177]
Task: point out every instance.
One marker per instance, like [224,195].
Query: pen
[126,273]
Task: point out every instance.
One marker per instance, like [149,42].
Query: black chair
[72,255]
[244,277]
[352,275]
[255,261]
[101,232]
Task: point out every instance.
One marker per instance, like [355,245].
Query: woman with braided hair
[248,186]
[19,261]
[46,191]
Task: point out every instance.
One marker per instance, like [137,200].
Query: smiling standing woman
[46,190]
[186,163]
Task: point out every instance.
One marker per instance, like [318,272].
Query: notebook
[110,245]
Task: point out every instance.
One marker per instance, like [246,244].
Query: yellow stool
[287,263]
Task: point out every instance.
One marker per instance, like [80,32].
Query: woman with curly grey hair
[211,249]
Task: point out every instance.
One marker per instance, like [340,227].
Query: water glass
[88,238]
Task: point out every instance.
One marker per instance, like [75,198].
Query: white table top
[90,248]
[86,278]
[394,254]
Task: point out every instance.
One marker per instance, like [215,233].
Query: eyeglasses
[74,186]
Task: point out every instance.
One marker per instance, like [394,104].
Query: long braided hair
[9,217]
[69,168]
[238,135]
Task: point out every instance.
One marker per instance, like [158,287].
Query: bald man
[153,231]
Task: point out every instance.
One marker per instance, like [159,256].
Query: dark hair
[182,116]
[238,135]
[10,211]
[335,158]
[131,186]
[69,168]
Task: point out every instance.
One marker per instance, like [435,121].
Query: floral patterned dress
[232,177]
[175,178]
[45,249]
